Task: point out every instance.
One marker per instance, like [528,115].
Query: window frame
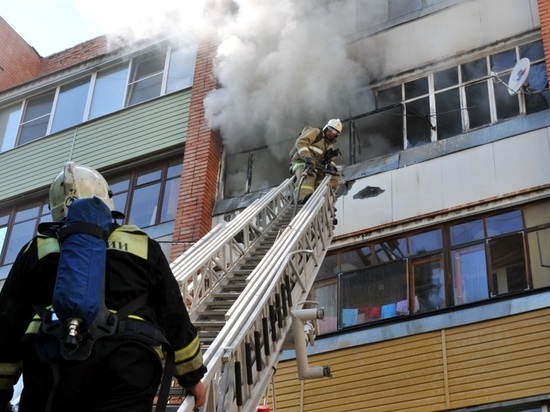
[8,213]
[524,243]
[8,142]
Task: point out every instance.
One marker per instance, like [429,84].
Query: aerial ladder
[246,285]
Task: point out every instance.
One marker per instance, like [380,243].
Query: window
[108,95]
[154,194]
[71,102]
[36,117]
[25,221]
[146,78]
[9,122]
[147,197]
[151,75]
[454,264]
[449,102]
[181,69]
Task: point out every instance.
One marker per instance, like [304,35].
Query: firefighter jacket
[311,143]
[135,265]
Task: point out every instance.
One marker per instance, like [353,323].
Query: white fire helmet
[335,126]
[77,182]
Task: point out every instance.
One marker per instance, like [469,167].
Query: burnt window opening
[449,102]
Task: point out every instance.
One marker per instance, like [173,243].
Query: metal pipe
[301,341]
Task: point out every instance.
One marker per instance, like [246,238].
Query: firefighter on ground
[310,153]
[123,371]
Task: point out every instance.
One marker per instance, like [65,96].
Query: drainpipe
[304,334]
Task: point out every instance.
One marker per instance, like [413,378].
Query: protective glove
[308,161]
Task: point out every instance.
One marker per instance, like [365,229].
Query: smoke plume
[280,65]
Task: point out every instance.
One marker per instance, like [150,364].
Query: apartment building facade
[436,286]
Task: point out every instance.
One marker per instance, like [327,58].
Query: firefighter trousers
[119,376]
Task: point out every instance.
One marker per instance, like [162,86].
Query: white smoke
[281,64]
[125,21]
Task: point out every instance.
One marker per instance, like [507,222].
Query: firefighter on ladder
[312,157]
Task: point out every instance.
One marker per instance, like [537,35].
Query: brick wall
[544,13]
[80,53]
[201,161]
[19,62]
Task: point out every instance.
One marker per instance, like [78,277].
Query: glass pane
[119,185]
[537,214]
[375,293]
[503,61]
[3,231]
[148,65]
[21,234]
[425,242]
[149,176]
[235,179]
[120,200]
[170,200]
[108,93]
[474,70]
[174,169]
[477,102]
[390,96]
[145,89]
[143,211]
[146,78]
[36,118]
[27,213]
[505,223]
[429,285]
[33,130]
[9,123]
[507,105]
[446,78]
[329,267]
[355,259]
[469,275]
[533,51]
[4,219]
[416,88]
[395,249]
[46,215]
[537,102]
[448,114]
[539,245]
[537,79]
[326,296]
[419,123]
[379,134]
[39,106]
[69,109]
[508,272]
[467,232]
[181,69]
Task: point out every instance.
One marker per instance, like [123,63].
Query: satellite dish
[519,75]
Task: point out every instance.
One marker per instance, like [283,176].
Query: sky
[51,26]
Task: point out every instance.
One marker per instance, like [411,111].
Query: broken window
[449,102]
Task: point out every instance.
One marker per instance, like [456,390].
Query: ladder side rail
[308,266]
[299,225]
[216,237]
[201,267]
[285,256]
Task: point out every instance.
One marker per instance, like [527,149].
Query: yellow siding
[482,363]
